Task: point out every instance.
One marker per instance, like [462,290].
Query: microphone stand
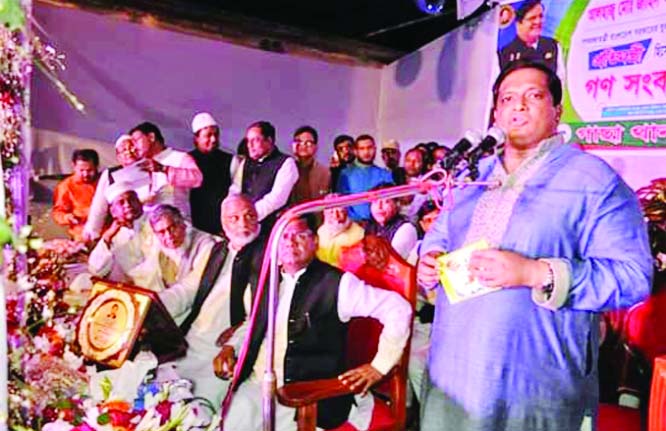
[427,184]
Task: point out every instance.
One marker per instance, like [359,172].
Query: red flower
[50,414]
[164,410]
[68,415]
[120,418]
[55,340]
[6,98]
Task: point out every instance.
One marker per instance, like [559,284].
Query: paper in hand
[455,277]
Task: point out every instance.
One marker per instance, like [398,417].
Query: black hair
[307,129]
[415,150]
[364,137]
[148,127]
[425,209]
[86,155]
[340,139]
[427,154]
[310,220]
[241,149]
[267,129]
[554,82]
[525,8]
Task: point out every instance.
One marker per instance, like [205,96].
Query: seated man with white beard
[222,299]
[120,248]
[337,232]
[315,303]
[178,255]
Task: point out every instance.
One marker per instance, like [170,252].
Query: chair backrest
[645,327]
[657,411]
[374,261]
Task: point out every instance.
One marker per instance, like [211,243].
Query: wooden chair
[645,342]
[657,414]
[374,261]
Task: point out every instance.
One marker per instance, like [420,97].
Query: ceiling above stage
[369,32]
[353,19]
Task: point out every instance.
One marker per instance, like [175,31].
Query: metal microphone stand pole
[270,266]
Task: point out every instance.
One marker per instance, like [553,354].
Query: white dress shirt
[355,299]
[115,261]
[405,239]
[173,186]
[212,320]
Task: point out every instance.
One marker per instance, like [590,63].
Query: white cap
[118,188]
[391,144]
[121,139]
[201,120]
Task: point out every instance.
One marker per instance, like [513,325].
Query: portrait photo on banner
[611,58]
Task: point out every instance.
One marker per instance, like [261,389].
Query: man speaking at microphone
[558,240]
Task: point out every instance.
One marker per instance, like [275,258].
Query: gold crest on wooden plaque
[117,315]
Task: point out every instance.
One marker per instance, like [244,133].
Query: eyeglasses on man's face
[305,143]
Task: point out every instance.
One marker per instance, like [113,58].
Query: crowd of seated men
[193,227]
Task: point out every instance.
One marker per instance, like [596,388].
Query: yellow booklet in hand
[454,274]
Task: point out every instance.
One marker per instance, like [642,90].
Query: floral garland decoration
[18,52]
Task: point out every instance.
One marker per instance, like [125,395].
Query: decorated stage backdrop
[613,64]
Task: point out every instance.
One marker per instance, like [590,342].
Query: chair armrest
[308,392]
[303,393]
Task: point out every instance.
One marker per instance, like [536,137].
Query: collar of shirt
[292,279]
[360,164]
[261,159]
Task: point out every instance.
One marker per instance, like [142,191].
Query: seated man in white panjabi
[120,249]
[315,303]
[222,298]
[126,155]
[178,255]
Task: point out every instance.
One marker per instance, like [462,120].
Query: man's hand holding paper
[502,268]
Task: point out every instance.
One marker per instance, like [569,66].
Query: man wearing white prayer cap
[215,166]
[99,208]
[202,120]
[120,248]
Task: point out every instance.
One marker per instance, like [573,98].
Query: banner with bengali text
[611,56]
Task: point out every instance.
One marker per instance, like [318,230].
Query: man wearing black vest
[215,166]
[221,299]
[267,176]
[529,44]
[315,303]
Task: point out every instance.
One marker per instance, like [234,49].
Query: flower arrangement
[19,51]
[51,387]
[158,406]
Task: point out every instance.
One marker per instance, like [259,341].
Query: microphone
[495,137]
[469,139]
